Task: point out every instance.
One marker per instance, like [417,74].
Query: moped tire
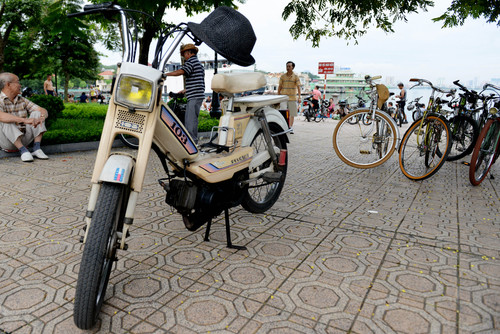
[261,196]
[99,254]
[129,141]
[464,133]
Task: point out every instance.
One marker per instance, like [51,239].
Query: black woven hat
[229,33]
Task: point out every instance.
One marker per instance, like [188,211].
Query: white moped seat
[256,101]
[234,83]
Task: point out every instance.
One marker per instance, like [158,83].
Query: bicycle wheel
[353,120]
[365,146]
[99,254]
[366,119]
[420,154]
[464,133]
[318,118]
[484,152]
[129,141]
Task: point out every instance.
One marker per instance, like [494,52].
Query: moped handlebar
[94,9]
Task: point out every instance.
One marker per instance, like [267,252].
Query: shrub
[85,110]
[73,131]
[53,104]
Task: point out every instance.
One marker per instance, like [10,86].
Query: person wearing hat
[290,85]
[195,86]
[402,101]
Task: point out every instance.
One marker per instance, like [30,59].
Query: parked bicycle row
[454,124]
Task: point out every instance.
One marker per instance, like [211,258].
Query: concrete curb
[83,146]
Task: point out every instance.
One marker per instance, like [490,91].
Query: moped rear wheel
[99,254]
[261,196]
[362,145]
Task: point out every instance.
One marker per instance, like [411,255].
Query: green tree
[350,19]
[17,17]
[460,10]
[149,30]
[67,44]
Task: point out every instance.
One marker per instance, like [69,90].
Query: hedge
[84,122]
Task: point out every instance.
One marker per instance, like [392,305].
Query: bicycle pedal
[364,152]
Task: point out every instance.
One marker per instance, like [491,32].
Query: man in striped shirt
[290,85]
[195,87]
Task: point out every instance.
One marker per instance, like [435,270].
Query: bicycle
[321,114]
[487,147]
[427,142]
[418,108]
[464,128]
[371,142]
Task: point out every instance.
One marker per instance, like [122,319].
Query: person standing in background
[48,87]
[290,85]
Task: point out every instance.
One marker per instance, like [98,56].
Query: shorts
[291,106]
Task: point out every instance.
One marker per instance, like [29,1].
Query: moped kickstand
[228,232]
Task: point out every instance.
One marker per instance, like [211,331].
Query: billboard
[325,67]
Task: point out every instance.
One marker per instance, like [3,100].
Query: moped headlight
[493,110]
[134,92]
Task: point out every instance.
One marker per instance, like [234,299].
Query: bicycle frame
[432,107]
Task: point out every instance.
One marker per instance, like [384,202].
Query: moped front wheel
[99,254]
[261,196]
[129,141]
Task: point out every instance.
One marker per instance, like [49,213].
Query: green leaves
[347,19]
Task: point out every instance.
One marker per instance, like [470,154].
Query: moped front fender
[272,116]
[117,169]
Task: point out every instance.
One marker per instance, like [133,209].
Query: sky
[418,48]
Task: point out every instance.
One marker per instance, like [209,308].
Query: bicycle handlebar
[422,81]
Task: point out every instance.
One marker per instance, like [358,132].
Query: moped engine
[199,203]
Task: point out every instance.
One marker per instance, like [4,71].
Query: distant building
[104,83]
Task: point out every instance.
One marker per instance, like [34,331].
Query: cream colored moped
[244,163]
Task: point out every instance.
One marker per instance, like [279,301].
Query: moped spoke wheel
[99,254]
[464,132]
[261,195]
[421,153]
[484,153]
[362,145]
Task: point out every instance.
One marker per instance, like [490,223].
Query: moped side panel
[172,137]
[221,167]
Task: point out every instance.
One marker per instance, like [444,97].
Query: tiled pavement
[343,250]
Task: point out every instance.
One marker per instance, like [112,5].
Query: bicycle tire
[464,133]
[484,153]
[99,254]
[318,118]
[365,146]
[416,160]
[129,141]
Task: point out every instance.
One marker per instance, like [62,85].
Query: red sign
[325,68]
